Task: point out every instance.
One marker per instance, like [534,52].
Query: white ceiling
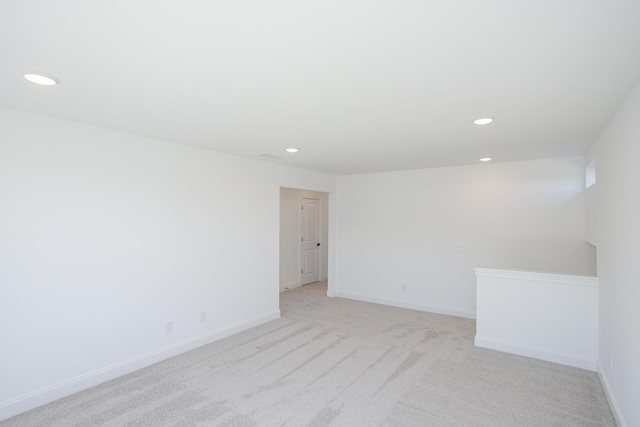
[358,86]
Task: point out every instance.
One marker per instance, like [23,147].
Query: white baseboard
[57,391]
[550,355]
[452,311]
[613,403]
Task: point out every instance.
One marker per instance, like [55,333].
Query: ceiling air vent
[268,156]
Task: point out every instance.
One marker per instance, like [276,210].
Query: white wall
[614,217]
[105,236]
[552,317]
[428,229]
[290,199]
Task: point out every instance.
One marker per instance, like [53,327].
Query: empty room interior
[440,199]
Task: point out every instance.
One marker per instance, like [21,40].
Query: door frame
[289,263]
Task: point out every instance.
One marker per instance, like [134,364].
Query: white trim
[452,311]
[18,405]
[536,276]
[613,403]
[575,360]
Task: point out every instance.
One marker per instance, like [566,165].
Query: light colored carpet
[332,361]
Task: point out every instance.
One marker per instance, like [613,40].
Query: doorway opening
[304,235]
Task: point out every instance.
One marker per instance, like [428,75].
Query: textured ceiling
[358,86]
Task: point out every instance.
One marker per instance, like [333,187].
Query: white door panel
[309,241]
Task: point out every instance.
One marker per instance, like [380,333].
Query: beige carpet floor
[337,362]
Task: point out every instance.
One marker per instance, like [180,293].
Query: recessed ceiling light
[483,121]
[40,78]
[486,159]
[292,150]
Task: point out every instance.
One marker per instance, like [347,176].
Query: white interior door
[309,241]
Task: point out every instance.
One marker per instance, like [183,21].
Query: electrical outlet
[168,327]
[464,247]
[203,316]
[404,287]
